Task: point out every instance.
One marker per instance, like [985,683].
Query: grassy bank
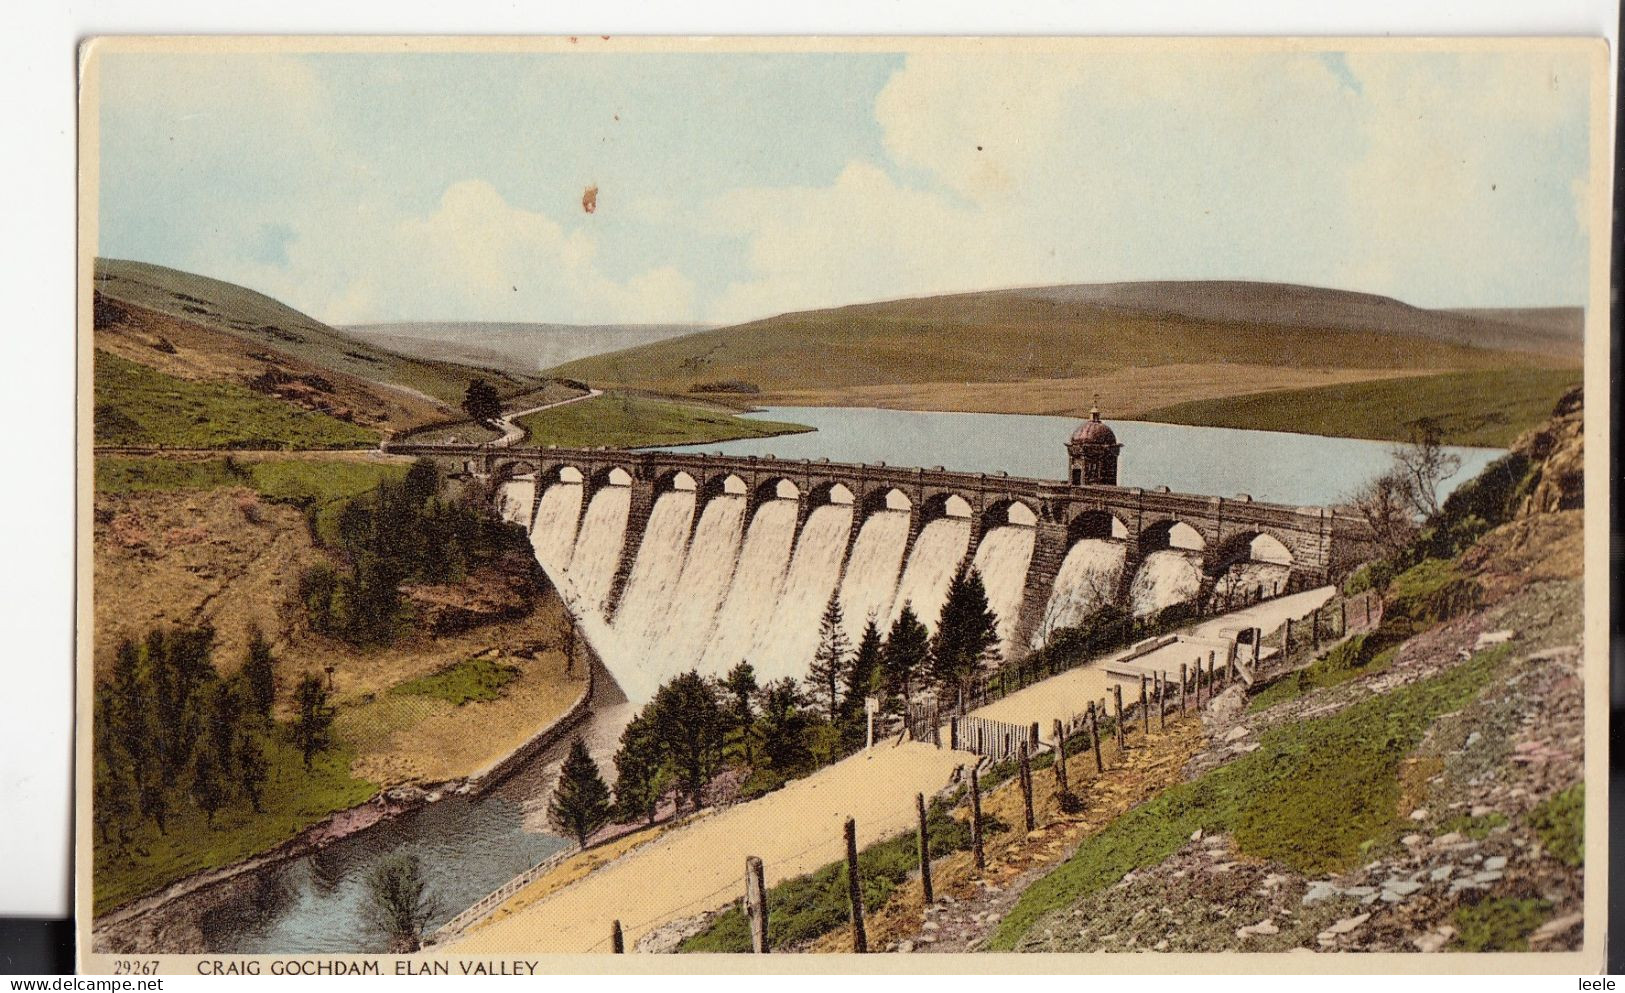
[135,405]
[1487,408]
[1310,797]
[625,420]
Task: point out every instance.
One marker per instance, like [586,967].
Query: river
[469,846]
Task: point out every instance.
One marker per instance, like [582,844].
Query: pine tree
[399,902]
[225,714]
[252,769]
[967,633]
[828,669]
[580,803]
[313,721]
[784,726]
[207,788]
[259,674]
[905,655]
[863,680]
[741,684]
[640,775]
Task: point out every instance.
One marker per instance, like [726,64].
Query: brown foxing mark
[589,199]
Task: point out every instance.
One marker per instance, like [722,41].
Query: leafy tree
[740,682]
[252,769]
[207,789]
[966,634]
[1425,464]
[580,803]
[422,482]
[259,674]
[313,723]
[154,803]
[828,669]
[399,903]
[689,724]
[127,716]
[640,775]
[784,726]
[905,655]
[482,403]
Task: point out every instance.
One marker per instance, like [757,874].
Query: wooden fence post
[1025,755]
[1060,758]
[1286,644]
[925,851]
[1314,628]
[1162,702]
[1094,736]
[1342,618]
[1211,658]
[1367,608]
[1117,700]
[1183,679]
[976,820]
[617,942]
[1258,646]
[1145,706]
[756,904]
[854,888]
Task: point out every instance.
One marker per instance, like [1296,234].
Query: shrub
[1560,823]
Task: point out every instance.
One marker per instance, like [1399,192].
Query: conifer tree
[741,685]
[640,774]
[828,670]
[784,726]
[863,679]
[207,788]
[399,902]
[905,655]
[225,714]
[580,803]
[313,721]
[966,634]
[252,769]
[691,728]
[259,674]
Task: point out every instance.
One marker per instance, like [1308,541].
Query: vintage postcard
[636,504]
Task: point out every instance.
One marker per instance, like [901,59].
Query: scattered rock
[1263,927]
[905,947]
[1435,939]
[1495,862]
[1348,924]
[1235,734]
[1412,840]
[1557,927]
[1419,814]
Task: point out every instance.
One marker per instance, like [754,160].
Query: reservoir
[469,846]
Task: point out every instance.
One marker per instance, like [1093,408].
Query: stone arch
[724,484]
[1099,524]
[559,472]
[676,479]
[1262,545]
[945,505]
[509,469]
[1008,510]
[834,491]
[885,498]
[1170,532]
[611,475]
[777,488]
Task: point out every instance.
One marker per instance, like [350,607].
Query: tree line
[168,729]
[400,532]
[696,728]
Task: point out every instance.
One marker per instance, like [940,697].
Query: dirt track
[701,867]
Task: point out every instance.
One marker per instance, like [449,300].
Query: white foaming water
[872,570]
[514,500]
[1166,578]
[785,647]
[938,550]
[1002,558]
[652,584]
[598,548]
[703,584]
[553,533]
[754,592]
[1087,581]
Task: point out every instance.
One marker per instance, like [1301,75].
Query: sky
[391,187]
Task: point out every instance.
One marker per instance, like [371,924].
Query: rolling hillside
[264,324]
[522,348]
[1049,350]
[187,360]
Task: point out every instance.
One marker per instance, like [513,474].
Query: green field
[1487,408]
[472,680]
[293,800]
[624,420]
[135,405]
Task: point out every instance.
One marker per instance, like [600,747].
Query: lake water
[1269,465]
[469,846]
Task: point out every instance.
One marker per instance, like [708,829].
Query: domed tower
[1092,453]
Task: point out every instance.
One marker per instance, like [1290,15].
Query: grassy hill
[1487,408]
[268,326]
[519,347]
[1048,350]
